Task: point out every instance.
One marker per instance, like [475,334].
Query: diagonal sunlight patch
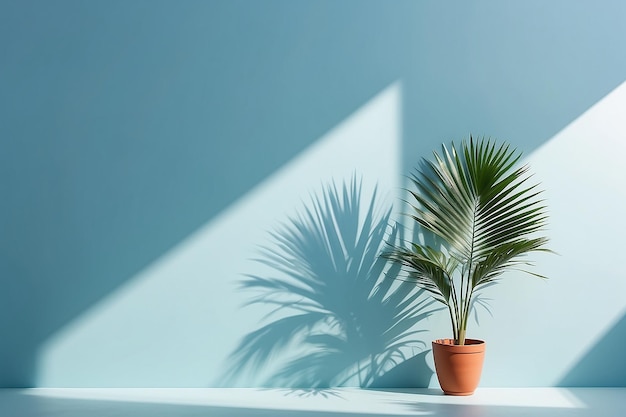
[174,324]
[549,325]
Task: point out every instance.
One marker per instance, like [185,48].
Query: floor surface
[343,402]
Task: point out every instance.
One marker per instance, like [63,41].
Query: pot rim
[471,346]
[468,342]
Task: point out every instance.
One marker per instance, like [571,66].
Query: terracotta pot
[458,367]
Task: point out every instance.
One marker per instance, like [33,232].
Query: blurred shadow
[338,301]
[576,402]
[412,373]
[16,403]
[585,402]
[309,392]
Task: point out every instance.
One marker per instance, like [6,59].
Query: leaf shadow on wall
[341,316]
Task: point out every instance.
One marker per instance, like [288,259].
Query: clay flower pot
[458,367]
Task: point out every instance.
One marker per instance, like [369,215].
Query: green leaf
[487,215]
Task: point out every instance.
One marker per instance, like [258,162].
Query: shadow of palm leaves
[336,300]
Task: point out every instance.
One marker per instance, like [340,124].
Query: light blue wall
[147,146]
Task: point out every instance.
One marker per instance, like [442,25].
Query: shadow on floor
[597,403]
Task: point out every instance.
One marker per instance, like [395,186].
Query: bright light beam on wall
[174,324]
[549,325]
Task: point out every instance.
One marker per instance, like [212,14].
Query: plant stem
[457,318]
[459,323]
[469,287]
[454,323]
[466,309]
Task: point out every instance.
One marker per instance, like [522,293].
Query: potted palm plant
[481,216]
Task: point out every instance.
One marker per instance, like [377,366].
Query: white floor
[344,402]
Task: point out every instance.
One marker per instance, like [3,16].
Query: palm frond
[427,270]
[486,214]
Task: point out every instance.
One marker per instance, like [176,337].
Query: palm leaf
[485,212]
